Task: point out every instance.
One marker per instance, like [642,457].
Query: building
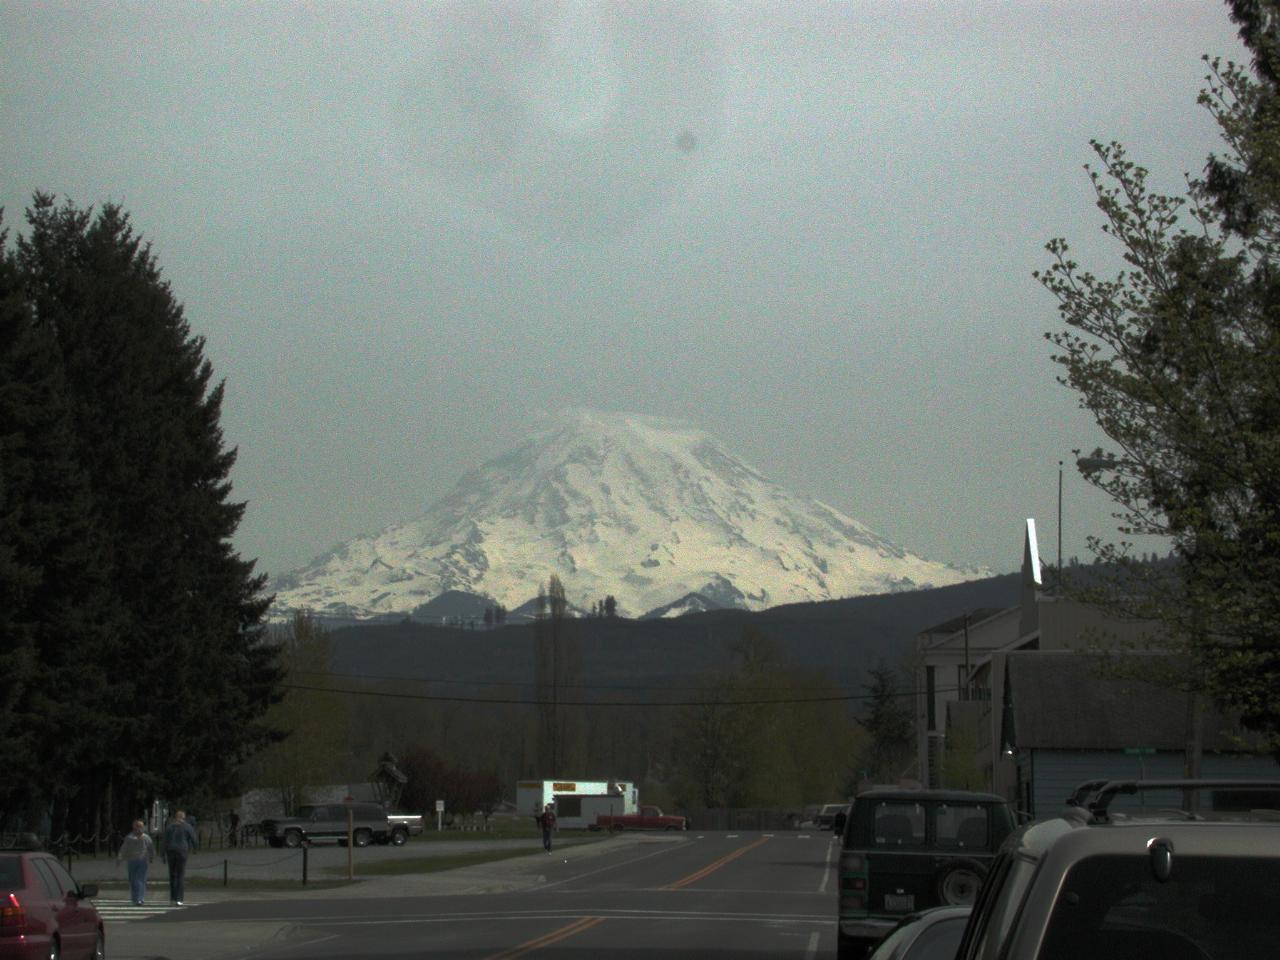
[1030,701]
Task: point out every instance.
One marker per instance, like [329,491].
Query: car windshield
[1226,908]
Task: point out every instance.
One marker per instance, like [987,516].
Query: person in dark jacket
[179,841]
[547,820]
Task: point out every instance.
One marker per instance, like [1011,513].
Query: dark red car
[44,913]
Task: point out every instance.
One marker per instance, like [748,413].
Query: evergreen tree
[888,722]
[54,609]
[186,658]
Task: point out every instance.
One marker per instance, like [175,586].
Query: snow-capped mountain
[650,511]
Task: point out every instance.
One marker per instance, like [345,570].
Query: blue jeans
[137,880]
[177,869]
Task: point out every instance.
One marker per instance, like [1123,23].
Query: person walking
[548,823]
[179,841]
[137,851]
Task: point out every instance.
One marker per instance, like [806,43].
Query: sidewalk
[225,940]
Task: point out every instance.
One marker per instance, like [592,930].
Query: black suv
[905,850]
[328,821]
[1101,885]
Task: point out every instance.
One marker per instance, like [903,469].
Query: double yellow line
[547,939]
[586,923]
[713,867]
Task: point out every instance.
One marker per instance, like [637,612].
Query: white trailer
[577,802]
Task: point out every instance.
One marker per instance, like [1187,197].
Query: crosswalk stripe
[124,910]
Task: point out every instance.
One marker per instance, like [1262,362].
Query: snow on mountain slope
[644,509]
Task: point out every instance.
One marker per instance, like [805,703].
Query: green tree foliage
[312,718]
[54,702]
[890,751]
[762,734]
[1178,359]
[164,655]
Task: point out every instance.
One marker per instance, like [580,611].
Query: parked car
[928,935]
[1106,886]
[44,913]
[905,850]
[826,815]
[328,821]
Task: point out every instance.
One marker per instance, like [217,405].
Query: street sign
[439,806]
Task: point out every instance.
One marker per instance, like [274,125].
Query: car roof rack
[1101,793]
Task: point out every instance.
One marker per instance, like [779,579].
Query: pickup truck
[328,821]
[403,826]
[649,818]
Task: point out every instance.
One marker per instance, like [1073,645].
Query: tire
[615,828]
[292,839]
[55,951]
[100,948]
[399,837]
[848,948]
[362,838]
[959,881]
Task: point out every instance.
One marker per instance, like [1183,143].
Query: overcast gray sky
[411,231]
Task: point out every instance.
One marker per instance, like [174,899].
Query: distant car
[44,913]
[826,816]
[928,935]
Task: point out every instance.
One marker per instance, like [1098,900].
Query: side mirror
[87,891]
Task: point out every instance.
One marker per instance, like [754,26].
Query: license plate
[899,903]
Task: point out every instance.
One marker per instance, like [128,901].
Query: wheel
[362,838]
[55,951]
[959,882]
[615,828]
[399,836]
[100,948]
[293,838]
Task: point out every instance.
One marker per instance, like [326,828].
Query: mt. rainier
[647,510]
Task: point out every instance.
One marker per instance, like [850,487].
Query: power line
[514,701]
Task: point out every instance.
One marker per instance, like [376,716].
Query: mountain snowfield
[648,510]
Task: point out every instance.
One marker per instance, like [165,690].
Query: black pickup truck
[328,821]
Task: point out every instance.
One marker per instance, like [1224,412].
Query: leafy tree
[1178,359]
[178,650]
[763,734]
[888,722]
[312,719]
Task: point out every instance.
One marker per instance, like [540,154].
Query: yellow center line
[547,939]
[713,867]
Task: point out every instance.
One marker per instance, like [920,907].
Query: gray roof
[1072,701]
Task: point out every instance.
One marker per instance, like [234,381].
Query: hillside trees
[129,592]
[1178,359]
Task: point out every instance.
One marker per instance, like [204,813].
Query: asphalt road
[701,895]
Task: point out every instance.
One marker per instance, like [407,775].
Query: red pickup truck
[649,818]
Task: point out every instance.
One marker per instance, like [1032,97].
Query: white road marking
[812,952]
[826,872]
